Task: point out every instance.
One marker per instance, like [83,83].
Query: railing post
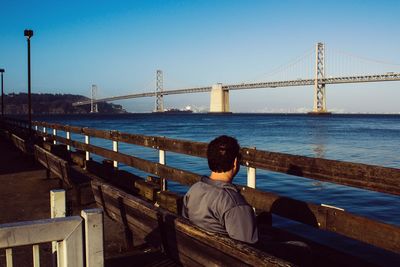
[57,202]
[115,148]
[54,134]
[251,177]
[87,141]
[162,160]
[57,210]
[251,173]
[9,257]
[45,132]
[68,138]
[36,256]
[70,250]
[94,237]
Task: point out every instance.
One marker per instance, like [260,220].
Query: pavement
[25,196]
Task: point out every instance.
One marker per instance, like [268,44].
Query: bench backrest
[56,165]
[19,143]
[181,239]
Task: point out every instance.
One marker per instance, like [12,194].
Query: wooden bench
[70,176]
[181,240]
[20,143]
[59,150]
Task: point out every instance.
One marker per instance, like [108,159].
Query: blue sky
[119,45]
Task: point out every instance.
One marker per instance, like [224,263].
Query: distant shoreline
[209,114]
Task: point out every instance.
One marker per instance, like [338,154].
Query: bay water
[369,139]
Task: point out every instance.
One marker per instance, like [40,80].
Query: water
[370,139]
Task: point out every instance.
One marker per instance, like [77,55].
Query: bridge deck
[24,195]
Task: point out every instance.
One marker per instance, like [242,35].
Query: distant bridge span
[258,85]
[220,93]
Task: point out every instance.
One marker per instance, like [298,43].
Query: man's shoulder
[226,194]
[232,197]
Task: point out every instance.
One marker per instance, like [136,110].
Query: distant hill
[15,104]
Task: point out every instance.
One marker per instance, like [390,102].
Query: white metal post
[58,203]
[94,237]
[115,148]
[251,177]
[57,210]
[68,138]
[44,131]
[162,160]
[87,141]
[70,250]
[55,134]
[9,257]
[36,256]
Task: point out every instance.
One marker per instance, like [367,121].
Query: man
[214,203]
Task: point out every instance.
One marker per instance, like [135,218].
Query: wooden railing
[323,217]
[66,234]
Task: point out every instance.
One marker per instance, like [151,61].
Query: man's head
[223,154]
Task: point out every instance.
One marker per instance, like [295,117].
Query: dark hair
[221,153]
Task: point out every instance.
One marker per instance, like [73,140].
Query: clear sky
[119,45]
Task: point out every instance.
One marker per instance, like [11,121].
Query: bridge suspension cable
[302,66]
[341,63]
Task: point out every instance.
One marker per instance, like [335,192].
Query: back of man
[214,203]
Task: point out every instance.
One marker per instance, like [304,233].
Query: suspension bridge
[219,93]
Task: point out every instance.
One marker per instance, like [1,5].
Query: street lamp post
[2,93]
[28,34]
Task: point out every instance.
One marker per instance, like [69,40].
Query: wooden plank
[147,190]
[379,234]
[201,254]
[174,174]
[364,176]
[247,254]
[382,235]
[34,232]
[377,178]
[170,201]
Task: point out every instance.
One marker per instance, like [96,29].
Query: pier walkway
[25,196]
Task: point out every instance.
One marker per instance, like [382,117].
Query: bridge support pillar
[219,100]
[159,89]
[319,107]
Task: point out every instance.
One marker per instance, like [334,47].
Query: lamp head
[28,33]
[1,70]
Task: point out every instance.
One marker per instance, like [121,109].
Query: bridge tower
[219,102]
[319,87]
[93,105]
[159,89]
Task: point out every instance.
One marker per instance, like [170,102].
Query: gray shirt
[218,207]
